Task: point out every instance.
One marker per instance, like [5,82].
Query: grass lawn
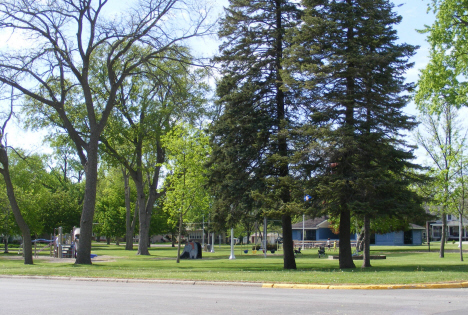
[404,265]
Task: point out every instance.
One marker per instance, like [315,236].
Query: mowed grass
[404,265]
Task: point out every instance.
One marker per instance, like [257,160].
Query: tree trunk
[289,261]
[27,244]
[143,215]
[346,255]
[108,239]
[460,235]
[360,241]
[6,244]
[83,255]
[129,223]
[366,252]
[146,203]
[173,239]
[444,233]
[144,230]
[180,237]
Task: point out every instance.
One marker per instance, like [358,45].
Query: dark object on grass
[297,251]
[321,251]
[192,250]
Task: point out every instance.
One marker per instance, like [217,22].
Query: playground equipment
[65,245]
[60,245]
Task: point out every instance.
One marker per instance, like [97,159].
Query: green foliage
[445,77]
[187,152]
[148,107]
[251,160]
[442,88]
[110,205]
[7,220]
[346,58]
[46,202]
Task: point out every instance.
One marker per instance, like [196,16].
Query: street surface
[37,296]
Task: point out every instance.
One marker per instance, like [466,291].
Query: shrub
[269,247]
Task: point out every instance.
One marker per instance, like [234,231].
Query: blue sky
[415,16]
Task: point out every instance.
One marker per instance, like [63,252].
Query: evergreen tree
[251,138]
[345,57]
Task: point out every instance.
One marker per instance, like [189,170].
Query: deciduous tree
[187,152]
[444,139]
[148,108]
[5,171]
[64,36]
[444,79]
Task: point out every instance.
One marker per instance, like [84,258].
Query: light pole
[265,237]
[232,238]
[203,232]
[303,230]
[232,245]
[212,243]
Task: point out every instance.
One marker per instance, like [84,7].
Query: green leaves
[187,152]
[345,59]
[444,78]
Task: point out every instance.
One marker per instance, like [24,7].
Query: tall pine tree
[345,57]
[251,158]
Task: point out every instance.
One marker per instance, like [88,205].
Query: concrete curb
[159,281]
[449,285]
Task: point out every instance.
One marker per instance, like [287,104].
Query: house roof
[312,224]
[416,227]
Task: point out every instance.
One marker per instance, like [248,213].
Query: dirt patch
[102,258]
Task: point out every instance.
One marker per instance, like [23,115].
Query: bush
[269,247]
[272,247]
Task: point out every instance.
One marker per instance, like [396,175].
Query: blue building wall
[417,237]
[384,239]
[390,239]
[297,235]
[322,234]
[397,238]
[325,233]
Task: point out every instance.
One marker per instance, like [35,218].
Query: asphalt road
[37,296]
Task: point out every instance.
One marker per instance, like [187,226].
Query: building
[413,236]
[314,230]
[318,229]
[453,229]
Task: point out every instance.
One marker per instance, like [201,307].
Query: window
[453,231]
